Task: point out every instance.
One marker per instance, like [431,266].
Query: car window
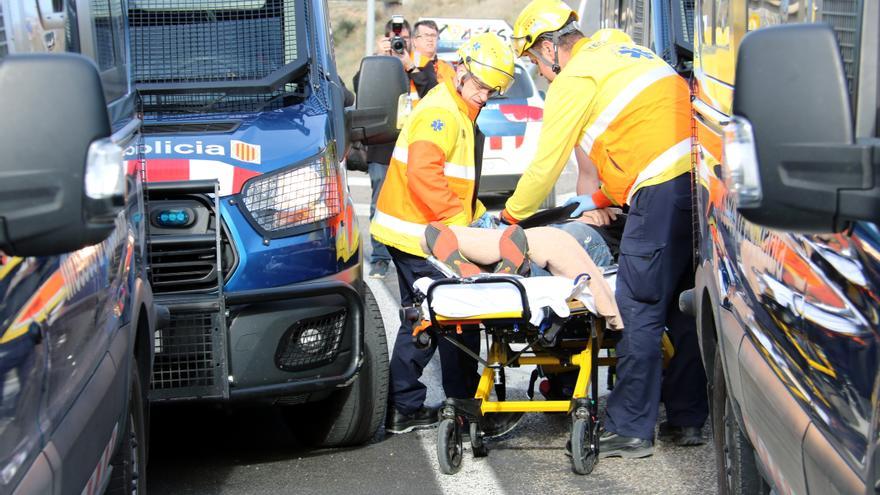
[522,85]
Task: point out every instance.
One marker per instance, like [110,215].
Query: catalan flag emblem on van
[244,152]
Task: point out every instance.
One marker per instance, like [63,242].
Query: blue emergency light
[173,218]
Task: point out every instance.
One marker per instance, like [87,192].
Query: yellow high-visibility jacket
[432,172]
[627,109]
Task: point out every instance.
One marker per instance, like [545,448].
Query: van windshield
[179,47]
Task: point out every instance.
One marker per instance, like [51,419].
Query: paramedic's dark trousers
[460,378]
[656,264]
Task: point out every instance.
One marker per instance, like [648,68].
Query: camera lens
[397,44]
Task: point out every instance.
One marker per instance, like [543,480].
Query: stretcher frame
[581,406]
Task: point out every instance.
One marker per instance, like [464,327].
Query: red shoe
[444,246]
[514,249]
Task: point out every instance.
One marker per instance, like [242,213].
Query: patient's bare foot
[444,246]
[514,249]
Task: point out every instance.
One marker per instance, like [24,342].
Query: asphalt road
[210,450]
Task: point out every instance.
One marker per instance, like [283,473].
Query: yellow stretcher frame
[581,406]
[587,362]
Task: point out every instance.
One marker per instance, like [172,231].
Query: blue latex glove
[486,221]
[585,203]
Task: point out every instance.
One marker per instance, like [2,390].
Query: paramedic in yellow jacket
[432,177]
[626,114]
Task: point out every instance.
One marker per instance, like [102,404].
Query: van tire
[734,456]
[352,415]
[549,201]
[129,475]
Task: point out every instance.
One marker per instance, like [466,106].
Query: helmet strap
[554,66]
[555,37]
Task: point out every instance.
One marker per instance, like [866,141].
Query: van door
[85,384]
[27,287]
[758,272]
[840,345]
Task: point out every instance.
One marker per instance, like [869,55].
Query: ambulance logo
[245,152]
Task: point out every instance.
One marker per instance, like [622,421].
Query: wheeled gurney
[560,330]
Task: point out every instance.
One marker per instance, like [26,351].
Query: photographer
[425,70]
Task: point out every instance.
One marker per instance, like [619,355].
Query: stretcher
[556,338]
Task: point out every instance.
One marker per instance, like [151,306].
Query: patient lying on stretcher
[518,251]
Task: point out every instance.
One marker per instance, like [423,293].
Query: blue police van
[253,243]
[76,308]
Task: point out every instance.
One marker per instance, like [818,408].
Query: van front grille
[190,127]
[184,352]
[183,263]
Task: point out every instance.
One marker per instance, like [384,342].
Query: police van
[76,308]
[253,242]
[787,294]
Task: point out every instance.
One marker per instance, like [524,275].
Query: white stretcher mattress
[469,300]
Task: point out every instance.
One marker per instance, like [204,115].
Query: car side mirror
[381,83]
[61,178]
[789,153]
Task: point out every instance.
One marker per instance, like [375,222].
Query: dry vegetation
[349,21]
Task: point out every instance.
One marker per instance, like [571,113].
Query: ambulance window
[722,23]
[707,22]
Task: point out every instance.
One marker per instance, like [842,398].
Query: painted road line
[476,475]
[358,181]
[362,210]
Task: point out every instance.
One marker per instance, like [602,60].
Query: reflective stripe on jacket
[432,172]
[626,108]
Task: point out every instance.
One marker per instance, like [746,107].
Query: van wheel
[352,415]
[129,462]
[734,456]
[549,201]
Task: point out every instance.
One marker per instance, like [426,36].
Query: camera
[398,44]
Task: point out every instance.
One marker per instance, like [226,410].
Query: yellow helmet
[490,59]
[609,35]
[537,18]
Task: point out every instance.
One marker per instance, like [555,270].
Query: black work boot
[423,417]
[614,445]
[683,436]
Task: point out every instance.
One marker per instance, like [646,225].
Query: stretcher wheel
[449,450]
[478,446]
[584,445]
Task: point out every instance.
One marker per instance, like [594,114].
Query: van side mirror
[381,83]
[789,153]
[61,178]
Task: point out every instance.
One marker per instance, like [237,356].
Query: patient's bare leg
[549,248]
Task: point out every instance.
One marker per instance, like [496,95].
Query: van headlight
[303,194]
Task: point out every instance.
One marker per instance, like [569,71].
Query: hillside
[349,21]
